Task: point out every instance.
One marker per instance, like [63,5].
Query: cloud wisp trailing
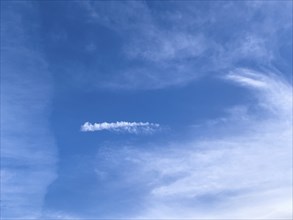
[122,126]
[238,169]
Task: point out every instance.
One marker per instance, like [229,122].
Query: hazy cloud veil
[146,109]
[243,172]
[28,151]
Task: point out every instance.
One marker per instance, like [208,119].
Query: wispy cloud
[247,171]
[122,126]
[28,151]
[176,46]
[235,170]
[165,54]
[274,92]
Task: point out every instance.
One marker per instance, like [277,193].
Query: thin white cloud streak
[274,93]
[245,172]
[121,126]
[28,151]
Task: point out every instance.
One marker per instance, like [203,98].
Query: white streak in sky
[121,126]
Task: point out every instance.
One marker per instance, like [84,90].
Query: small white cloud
[121,126]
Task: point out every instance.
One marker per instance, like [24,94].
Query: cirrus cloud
[242,163]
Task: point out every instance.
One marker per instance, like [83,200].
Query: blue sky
[146,109]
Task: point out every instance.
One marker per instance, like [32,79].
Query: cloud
[164,55]
[183,42]
[274,92]
[239,168]
[160,47]
[246,172]
[28,150]
[121,126]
